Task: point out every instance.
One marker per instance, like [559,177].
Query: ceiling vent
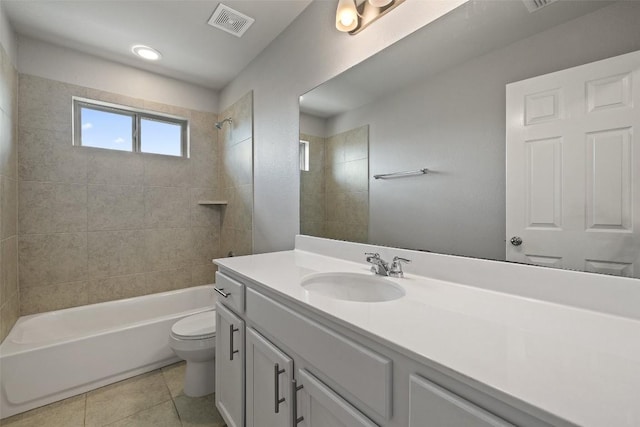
[230,20]
[534,5]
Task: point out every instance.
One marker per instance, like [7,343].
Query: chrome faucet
[382,268]
[378,265]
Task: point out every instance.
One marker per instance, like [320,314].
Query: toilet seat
[196,327]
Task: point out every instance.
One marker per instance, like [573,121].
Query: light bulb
[346,15]
[146,52]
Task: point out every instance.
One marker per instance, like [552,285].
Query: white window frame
[304,155]
[137,115]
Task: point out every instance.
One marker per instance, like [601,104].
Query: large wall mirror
[438,100]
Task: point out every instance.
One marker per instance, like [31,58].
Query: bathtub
[51,356]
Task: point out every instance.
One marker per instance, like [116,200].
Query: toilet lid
[197,326]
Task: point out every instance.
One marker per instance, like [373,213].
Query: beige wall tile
[116,287]
[53,297]
[336,206]
[312,182]
[357,175]
[114,98]
[8,268]
[242,161]
[115,253]
[9,314]
[120,400]
[242,115]
[46,259]
[8,207]
[204,215]
[114,167]
[166,171]
[167,248]
[168,280]
[203,274]
[52,208]
[205,244]
[46,155]
[46,104]
[311,228]
[115,207]
[356,144]
[166,207]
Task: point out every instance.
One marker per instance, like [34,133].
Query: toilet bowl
[193,339]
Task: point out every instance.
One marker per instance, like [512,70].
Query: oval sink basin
[352,287]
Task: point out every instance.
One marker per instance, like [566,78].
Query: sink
[352,287]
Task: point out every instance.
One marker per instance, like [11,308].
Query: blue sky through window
[104,129]
[160,137]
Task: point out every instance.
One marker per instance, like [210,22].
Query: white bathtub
[51,356]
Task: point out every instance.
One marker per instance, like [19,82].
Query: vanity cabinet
[268,383]
[230,340]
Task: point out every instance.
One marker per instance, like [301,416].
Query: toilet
[193,339]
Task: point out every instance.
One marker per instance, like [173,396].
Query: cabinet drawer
[358,370]
[432,405]
[233,290]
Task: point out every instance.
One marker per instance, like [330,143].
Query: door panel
[573,168]
[229,366]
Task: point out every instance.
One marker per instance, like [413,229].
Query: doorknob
[516,241]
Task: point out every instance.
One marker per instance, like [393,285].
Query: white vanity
[467,342]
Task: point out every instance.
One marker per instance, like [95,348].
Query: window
[304,155]
[115,127]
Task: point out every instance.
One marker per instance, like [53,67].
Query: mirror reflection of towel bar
[402,174]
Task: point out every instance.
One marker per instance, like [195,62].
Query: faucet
[378,265]
[381,267]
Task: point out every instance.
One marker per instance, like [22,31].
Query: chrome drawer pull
[221,292]
[276,385]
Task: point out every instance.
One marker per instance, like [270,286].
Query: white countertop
[577,364]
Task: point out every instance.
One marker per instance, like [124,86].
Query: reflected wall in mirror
[334,185]
[437,100]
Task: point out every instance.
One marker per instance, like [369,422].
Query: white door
[573,168]
[229,366]
[269,374]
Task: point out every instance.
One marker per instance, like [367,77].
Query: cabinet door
[319,406]
[269,374]
[230,366]
[431,405]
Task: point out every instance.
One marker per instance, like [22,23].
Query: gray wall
[454,124]
[97,225]
[9,291]
[307,53]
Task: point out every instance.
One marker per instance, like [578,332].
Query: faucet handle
[372,256]
[396,266]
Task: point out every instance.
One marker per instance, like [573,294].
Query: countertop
[577,364]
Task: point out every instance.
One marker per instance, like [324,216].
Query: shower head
[219,124]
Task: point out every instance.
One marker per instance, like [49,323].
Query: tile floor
[155,399]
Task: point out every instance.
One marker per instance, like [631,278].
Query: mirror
[437,100]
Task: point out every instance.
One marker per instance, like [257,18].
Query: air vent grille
[231,21]
[534,5]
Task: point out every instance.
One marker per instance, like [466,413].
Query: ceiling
[192,50]
[471,30]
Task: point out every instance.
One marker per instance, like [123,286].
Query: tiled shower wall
[312,195]
[335,198]
[98,225]
[9,294]
[236,177]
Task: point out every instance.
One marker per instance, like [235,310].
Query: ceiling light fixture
[146,52]
[353,16]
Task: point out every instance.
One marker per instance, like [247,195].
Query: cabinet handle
[231,350]
[276,385]
[294,401]
[221,292]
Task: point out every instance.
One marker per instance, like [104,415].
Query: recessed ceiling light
[146,52]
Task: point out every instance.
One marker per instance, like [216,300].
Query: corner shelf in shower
[212,202]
